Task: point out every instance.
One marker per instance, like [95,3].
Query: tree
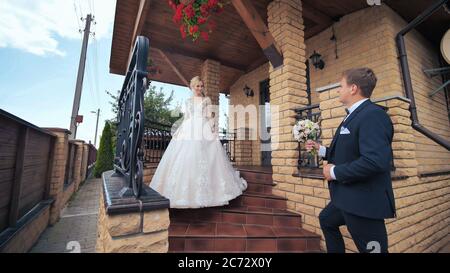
[105,156]
[156,108]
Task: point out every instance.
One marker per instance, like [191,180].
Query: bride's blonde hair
[194,81]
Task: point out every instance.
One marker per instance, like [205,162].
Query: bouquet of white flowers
[305,130]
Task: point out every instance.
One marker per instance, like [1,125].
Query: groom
[358,170]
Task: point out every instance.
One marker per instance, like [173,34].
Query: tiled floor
[76,231]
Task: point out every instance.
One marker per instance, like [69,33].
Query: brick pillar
[84,162]
[243,147]
[404,144]
[211,80]
[77,164]
[58,171]
[287,86]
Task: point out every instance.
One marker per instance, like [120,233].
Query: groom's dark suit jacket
[363,160]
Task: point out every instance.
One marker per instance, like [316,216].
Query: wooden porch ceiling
[232,43]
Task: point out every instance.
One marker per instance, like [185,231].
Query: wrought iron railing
[157,137]
[307,160]
[228,140]
[130,130]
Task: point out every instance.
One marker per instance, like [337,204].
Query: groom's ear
[354,89]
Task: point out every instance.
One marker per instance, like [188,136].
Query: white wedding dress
[195,171]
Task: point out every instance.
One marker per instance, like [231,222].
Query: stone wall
[138,232]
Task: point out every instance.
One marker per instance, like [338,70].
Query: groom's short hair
[364,78]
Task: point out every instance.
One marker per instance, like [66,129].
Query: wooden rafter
[316,15]
[138,24]
[173,66]
[260,31]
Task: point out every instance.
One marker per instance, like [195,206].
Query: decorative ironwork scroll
[129,153]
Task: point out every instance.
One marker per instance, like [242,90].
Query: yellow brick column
[211,80]
[58,171]
[243,152]
[78,161]
[287,89]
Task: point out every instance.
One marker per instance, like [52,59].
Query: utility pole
[80,77]
[96,126]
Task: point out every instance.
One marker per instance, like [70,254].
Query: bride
[195,171]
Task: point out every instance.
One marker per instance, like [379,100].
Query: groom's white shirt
[323,149]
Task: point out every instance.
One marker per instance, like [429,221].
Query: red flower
[193,29]
[178,14]
[204,10]
[189,10]
[212,3]
[204,35]
[183,31]
[201,20]
[172,5]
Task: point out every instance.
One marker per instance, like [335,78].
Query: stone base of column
[130,225]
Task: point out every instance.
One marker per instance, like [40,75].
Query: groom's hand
[310,144]
[327,172]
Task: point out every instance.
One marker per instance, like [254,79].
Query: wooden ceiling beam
[139,23]
[316,15]
[173,66]
[260,31]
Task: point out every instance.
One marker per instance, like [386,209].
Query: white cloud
[36,25]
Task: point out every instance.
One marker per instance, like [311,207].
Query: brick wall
[423,204]
[367,38]
[432,112]
[364,38]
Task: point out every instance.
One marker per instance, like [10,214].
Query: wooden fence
[25,167]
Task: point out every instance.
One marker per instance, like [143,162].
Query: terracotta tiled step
[261,216]
[237,215]
[260,178]
[254,199]
[260,187]
[223,237]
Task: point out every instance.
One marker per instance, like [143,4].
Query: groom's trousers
[369,235]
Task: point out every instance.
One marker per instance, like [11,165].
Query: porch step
[225,237]
[256,221]
[259,178]
[260,188]
[237,215]
[255,199]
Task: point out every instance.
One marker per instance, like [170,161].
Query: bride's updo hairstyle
[194,82]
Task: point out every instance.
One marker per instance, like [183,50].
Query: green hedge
[105,155]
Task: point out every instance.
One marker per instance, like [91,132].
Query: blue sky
[39,55]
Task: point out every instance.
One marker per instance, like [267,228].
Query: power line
[77,17]
[80,7]
[97,79]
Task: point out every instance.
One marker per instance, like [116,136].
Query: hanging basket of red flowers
[193,16]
